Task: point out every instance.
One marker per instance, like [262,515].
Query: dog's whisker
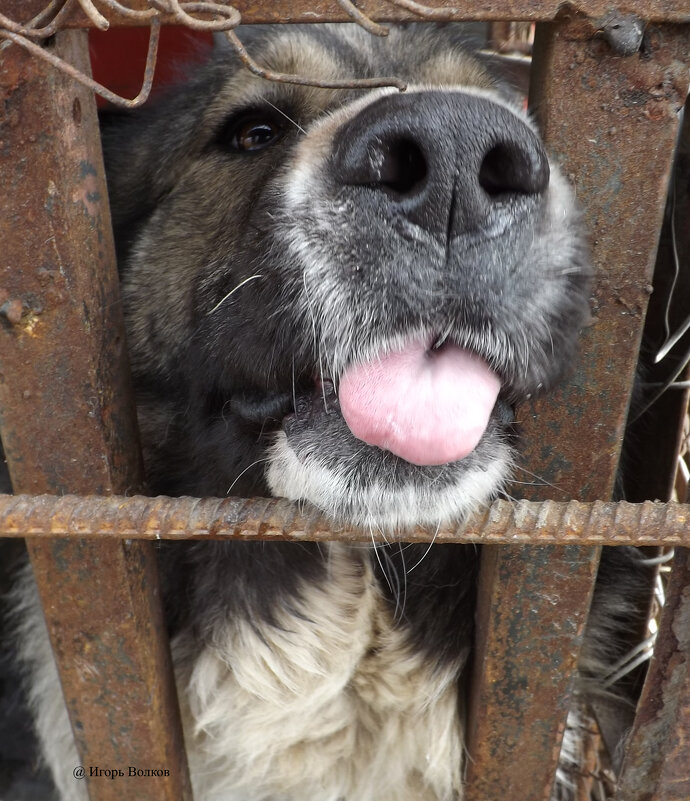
[283,114]
[377,548]
[294,390]
[539,480]
[403,572]
[426,552]
[248,467]
[317,346]
[232,292]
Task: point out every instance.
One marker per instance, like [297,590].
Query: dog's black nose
[445,160]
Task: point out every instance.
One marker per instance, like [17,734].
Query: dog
[336,296]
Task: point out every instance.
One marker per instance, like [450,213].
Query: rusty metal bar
[68,424]
[532,607]
[272,11]
[161,518]
[655,767]
[611,122]
[615,138]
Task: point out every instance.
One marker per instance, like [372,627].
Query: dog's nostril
[403,167]
[511,169]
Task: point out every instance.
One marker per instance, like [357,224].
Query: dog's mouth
[426,402]
[428,405]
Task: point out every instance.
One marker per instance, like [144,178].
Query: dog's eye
[249,133]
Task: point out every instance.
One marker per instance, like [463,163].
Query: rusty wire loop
[216,18]
[362,19]
[89,82]
[94,15]
[60,8]
[545,523]
[281,77]
[426,12]
[225,17]
[140,15]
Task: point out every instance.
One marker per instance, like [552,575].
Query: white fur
[378,504]
[44,689]
[328,703]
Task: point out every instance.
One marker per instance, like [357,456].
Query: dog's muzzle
[442,164]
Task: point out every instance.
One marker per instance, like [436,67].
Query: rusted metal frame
[611,122]
[68,424]
[532,605]
[272,11]
[657,754]
[505,522]
[149,796]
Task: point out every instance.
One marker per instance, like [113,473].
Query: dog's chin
[316,458]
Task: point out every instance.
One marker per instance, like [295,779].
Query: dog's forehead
[418,55]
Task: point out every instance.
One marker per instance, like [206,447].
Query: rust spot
[655,113]
[11,310]
[634,97]
[87,193]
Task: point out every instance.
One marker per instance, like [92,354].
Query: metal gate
[607,89]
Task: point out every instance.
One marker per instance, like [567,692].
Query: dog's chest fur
[328,701]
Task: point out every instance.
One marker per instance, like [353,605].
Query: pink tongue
[427,407]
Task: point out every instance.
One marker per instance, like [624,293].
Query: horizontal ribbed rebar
[523,522]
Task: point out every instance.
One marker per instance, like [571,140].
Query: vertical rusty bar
[532,608]
[68,424]
[657,755]
[611,123]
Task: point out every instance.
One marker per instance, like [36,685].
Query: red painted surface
[118,56]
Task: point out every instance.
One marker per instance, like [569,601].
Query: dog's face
[339,295]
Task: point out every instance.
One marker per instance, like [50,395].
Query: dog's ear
[147,150]
[143,155]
